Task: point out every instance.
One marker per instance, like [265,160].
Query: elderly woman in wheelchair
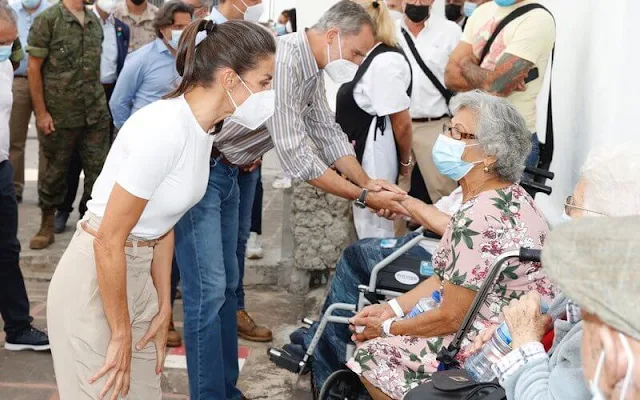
[484,149]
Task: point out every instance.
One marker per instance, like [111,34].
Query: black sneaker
[61,221]
[29,339]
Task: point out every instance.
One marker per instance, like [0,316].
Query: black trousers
[75,167]
[256,211]
[14,304]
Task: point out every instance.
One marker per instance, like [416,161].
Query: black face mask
[138,2]
[453,12]
[416,13]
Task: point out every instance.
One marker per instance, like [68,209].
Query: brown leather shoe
[174,339]
[45,236]
[249,330]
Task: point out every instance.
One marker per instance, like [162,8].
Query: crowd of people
[168,112]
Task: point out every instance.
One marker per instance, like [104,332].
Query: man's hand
[378,185]
[388,201]
[44,122]
[253,166]
[525,321]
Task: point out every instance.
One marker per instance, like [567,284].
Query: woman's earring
[486,169]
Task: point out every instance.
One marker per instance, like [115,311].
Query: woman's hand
[118,364]
[482,338]
[372,327]
[157,333]
[525,321]
[379,185]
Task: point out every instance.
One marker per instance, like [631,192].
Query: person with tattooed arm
[516,63]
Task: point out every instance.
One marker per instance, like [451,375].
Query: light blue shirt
[24,24]
[148,74]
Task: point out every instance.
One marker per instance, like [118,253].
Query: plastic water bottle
[425,304]
[479,365]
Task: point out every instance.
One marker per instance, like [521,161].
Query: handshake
[386,199]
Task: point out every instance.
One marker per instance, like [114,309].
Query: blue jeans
[206,240]
[247,182]
[14,304]
[354,268]
[534,156]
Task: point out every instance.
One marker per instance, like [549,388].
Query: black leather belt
[215,154]
[429,119]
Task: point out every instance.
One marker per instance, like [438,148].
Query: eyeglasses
[569,205]
[455,133]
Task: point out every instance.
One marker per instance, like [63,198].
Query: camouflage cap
[596,263]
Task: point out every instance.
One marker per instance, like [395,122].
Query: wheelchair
[395,275]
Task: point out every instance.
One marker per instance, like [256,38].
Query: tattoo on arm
[511,72]
[508,75]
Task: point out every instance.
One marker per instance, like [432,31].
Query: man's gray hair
[346,16]
[500,129]
[7,14]
[612,178]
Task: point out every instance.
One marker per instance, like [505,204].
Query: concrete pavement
[29,376]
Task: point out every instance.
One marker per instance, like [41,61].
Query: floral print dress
[487,225]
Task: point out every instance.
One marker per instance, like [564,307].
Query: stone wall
[322,227]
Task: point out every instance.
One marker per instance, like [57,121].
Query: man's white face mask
[594,385]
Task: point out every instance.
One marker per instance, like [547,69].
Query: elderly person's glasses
[455,132]
[570,204]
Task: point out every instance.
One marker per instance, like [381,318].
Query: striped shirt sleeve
[325,131]
[287,128]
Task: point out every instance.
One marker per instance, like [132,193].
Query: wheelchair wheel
[341,385]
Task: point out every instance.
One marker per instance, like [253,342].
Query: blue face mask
[281,29]
[30,3]
[469,8]
[5,52]
[505,3]
[175,39]
[447,157]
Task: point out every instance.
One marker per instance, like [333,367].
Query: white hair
[612,181]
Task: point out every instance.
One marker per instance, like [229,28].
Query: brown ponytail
[206,47]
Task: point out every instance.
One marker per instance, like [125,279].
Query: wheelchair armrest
[431,235]
[534,187]
[540,172]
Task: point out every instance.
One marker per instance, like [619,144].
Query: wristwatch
[361,201]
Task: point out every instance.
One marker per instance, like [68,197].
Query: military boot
[45,235]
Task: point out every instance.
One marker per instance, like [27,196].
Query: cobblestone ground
[29,375]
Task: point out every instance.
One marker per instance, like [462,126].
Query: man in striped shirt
[302,112]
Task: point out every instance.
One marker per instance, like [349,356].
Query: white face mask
[566,217]
[107,5]
[340,71]
[594,385]
[255,110]
[252,13]
[396,15]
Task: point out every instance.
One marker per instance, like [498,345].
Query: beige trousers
[21,112]
[78,329]
[425,135]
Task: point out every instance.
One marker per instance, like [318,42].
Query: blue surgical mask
[5,52]
[281,29]
[469,8]
[30,3]
[505,3]
[175,39]
[447,157]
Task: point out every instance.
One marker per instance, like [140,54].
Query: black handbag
[456,384]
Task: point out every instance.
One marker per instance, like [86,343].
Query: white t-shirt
[382,91]
[6,100]
[434,43]
[161,154]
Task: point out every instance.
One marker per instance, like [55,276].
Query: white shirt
[161,154]
[109,57]
[6,100]
[434,43]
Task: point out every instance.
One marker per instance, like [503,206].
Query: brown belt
[138,243]
[429,119]
[216,155]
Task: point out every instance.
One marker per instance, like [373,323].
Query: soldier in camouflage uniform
[65,44]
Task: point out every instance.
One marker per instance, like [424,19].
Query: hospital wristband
[395,306]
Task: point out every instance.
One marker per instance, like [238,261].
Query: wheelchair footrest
[282,359]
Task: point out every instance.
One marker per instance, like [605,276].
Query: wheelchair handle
[540,172]
[532,255]
[536,187]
